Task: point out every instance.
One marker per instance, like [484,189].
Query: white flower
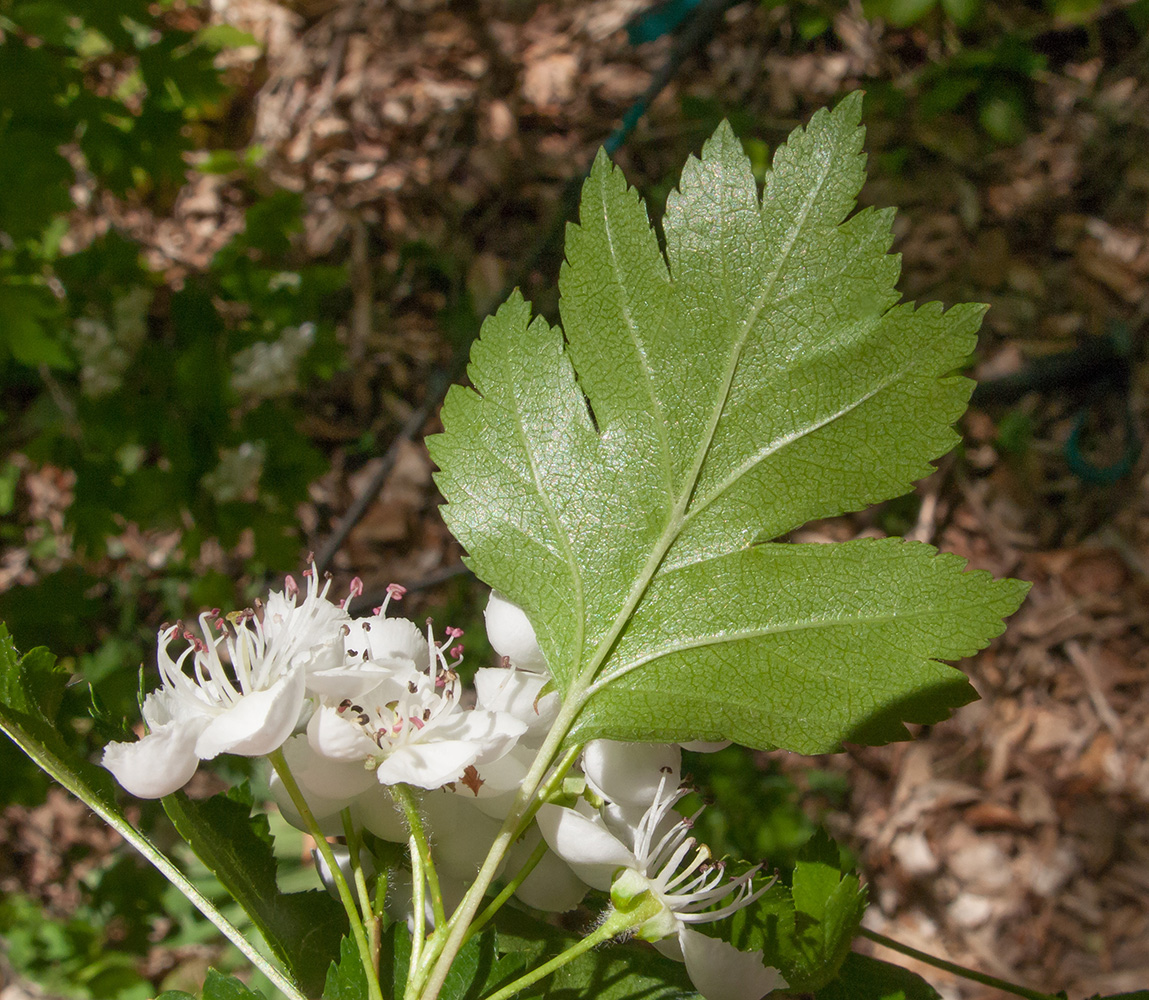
[248,706]
[659,857]
[410,724]
[512,636]
[628,775]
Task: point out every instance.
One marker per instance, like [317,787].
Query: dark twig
[440,383]
[692,36]
[365,602]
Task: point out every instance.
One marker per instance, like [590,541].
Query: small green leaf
[472,969]
[619,477]
[962,11]
[346,979]
[865,978]
[224,36]
[900,13]
[804,929]
[25,314]
[303,929]
[220,987]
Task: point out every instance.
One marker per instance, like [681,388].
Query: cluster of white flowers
[358,705]
[300,674]
[269,368]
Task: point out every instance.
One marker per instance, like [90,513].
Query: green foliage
[70,956]
[804,928]
[754,812]
[31,687]
[902,13]
[865,978]
[151,395]
[303,929]
[994,81]
[56,61]
[494,959]
[761,375]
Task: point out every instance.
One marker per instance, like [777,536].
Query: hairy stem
[616,923]
[406,799]
[418,917]
[370,919]
[279,762]
[507,892]
[958,970]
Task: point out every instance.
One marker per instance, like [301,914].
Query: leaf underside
[618,478]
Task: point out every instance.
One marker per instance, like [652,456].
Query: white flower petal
[352,680]
[592,852]
[516,692]
[428,765]
[552,886]
[720,971]
[460,835]
[325,808]
[258,723]
[512,635]
[498,783]
[320,775]
[160,763]
[628,774]
[335,735]
[388,639]
[378,812]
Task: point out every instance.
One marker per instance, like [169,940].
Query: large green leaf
[617,483]
[30,690]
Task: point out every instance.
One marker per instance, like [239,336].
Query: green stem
[548,787]
[279,762]
[616,923]
[507,892]
[461,919]
[415,825]
[418,917]
[370,920]
[958,970]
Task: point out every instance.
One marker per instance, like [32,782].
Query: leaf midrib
[675,522]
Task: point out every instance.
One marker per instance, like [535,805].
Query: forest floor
[435,144]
